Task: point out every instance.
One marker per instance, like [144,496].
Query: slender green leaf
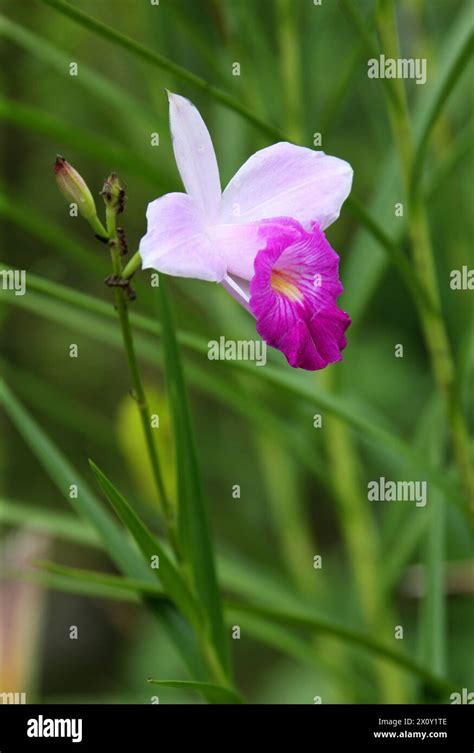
[105,580]
[150,546]
[214,385]
[403,531]
[341,88]
[53,522]
[63,474]
[376,435]
[285,641]
[198,37]
[236,575]
[212,693]
[117,588]
[160,61]
[432,624]
[409,534]
[260,415]
[90,589]
[366,263]
[319,625]
[433,613]
[455,156]
[393,249]
[290,616]
[366,33]
[193,523]
[448,76]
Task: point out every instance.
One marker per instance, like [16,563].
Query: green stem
[140,397]
[291,523]
[293,529]
[365,32]
[292,618]
[454,72]
[433,605]
[97,226]
[132,266]
[111,220]
[290,67]
[138,389]
[431,316]
[210,656]
[213,663]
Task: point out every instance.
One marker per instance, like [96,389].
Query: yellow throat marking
[282,282]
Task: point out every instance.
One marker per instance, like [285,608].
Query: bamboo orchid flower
[262,238]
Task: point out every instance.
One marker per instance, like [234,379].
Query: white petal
[285,180]
[238,288]
[195,155]
[176,242]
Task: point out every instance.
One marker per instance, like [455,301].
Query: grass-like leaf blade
[374,434]
[62,473]
[173,582]
[209,691]
[117,587]
[160,61]
[193,522]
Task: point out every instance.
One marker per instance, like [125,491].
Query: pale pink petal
[238,289]
[195,155]
[287,180]
[238,245]
[176,242]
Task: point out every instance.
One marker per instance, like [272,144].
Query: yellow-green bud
[74,188]
[76,191]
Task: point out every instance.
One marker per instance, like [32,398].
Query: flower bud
[114,193]
[74,188]
[76,191]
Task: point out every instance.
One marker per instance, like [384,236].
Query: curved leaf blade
[173,583]
[160,61]
[193,521]
[211,693]
[62,473]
